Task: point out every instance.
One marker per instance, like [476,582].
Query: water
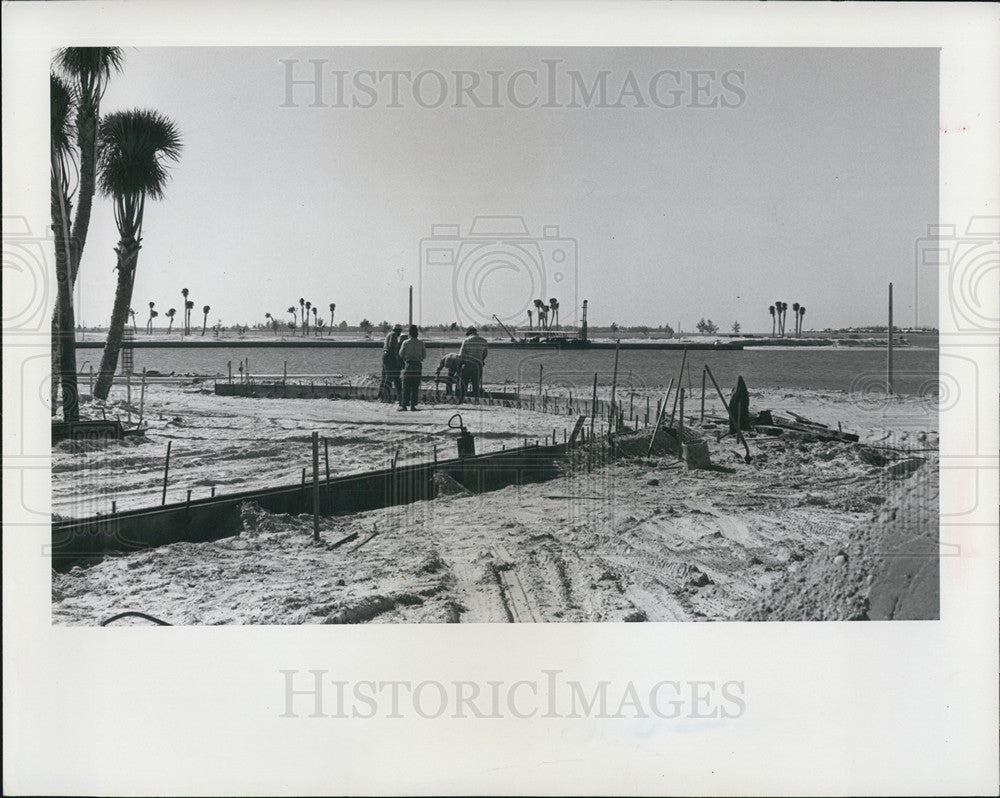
[854,369]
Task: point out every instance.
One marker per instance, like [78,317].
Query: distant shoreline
[724,344]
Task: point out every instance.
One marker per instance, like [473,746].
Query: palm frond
[90,67]
[61,128]
[61,108]
[134,148]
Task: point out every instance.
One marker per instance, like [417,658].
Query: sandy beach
[638,539]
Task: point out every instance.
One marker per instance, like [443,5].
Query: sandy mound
[887,570]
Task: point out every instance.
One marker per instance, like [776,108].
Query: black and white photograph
[406,332]
[470,364]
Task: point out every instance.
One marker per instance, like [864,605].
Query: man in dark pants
[412,351]
[391,366]
[473,351]
[458,373]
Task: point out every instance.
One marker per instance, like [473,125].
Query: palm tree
[88,70]
[302,312]
[529,321]
[131,314]
[780,307]
[315,311]
[188,307]
[170,315]
[63,326]
[538,312]
[184,304]
[204,322]
[149,323]
[305,329]
[773,319]
[292,311]
[271,323]
[333,307]
[135,146]
[795,317]
[802,313]
[554,307]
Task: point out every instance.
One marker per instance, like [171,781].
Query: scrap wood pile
[793,425]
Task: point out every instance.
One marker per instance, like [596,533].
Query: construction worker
[458,372]
[391,366]
[474,350]
[412,352]
[451,365]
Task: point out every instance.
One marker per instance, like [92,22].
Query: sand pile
[887,569]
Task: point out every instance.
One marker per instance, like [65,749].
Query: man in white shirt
[474,350]
[412,352]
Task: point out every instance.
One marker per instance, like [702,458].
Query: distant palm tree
[149,323]
[538,313]
[333,307]
[170,315]
[554,307]
[315,311]
[529,321]
[271,322]
[184,324]
[88,70]
[795,317]
[188,307]
[302,312]
[292,311]
[780,306]
[305,328]
[773,320]
[131,314]
[204,322]
[802,313]
[134,148]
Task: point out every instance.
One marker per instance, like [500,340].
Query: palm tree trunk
[65,325]
[128,255]
[55,376]
[86,138]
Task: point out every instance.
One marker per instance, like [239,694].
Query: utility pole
[888,376]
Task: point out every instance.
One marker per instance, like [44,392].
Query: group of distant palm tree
[124,154]
[305,309]
[779,310]
[188,307]
[542,311]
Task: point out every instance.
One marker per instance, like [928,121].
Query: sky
[702,183]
